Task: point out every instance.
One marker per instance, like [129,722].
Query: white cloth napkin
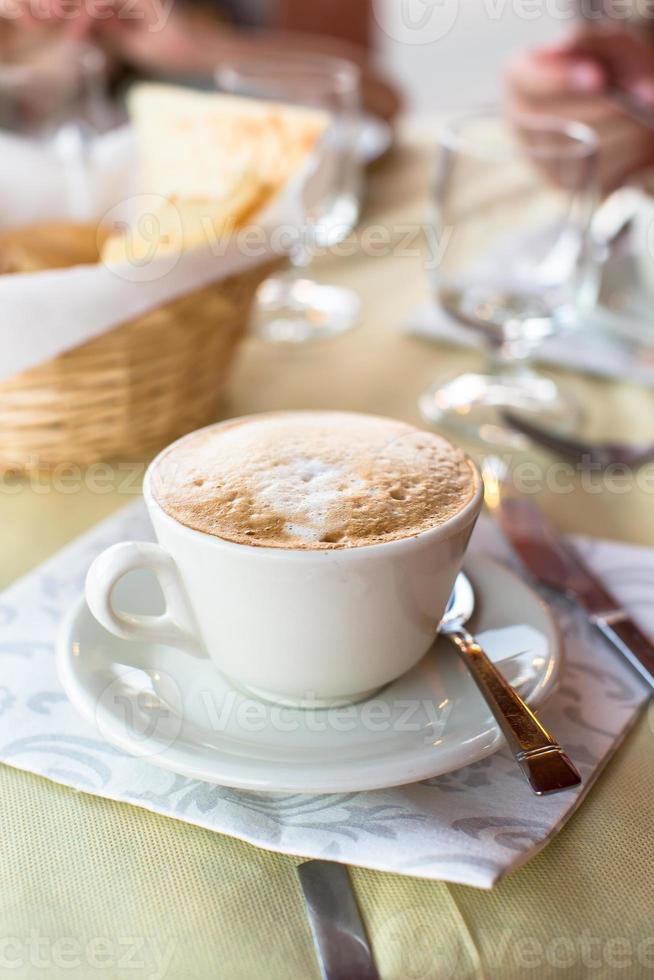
[472,826]
[592,350]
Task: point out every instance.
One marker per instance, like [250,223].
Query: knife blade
[556,563]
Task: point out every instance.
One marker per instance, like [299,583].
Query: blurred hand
[25,24]
[146,33]
[573,80]
[168,39]
[163,37]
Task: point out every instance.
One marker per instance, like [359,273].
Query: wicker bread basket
[133,389]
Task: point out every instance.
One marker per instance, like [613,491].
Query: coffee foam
[312,480]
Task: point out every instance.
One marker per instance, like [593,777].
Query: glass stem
[512,352]
[300,256]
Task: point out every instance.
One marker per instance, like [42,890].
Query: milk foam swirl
[313,480]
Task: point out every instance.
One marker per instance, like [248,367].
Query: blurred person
[578,79]
[187,39]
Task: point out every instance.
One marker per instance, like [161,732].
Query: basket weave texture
[131,390]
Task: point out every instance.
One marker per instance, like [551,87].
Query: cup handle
[174,627]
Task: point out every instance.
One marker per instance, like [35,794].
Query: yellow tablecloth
[91,888]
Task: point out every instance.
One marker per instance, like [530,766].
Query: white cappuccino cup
[296,627]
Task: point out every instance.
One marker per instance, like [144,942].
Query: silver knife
[339,935]
[555,563]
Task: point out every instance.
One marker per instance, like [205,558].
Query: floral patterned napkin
[472,826]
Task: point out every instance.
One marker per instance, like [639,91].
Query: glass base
[298,310]
[472,404]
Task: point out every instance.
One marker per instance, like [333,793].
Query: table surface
[94,888]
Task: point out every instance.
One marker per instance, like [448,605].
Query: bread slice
[196,144]
[213,160]
[175,225]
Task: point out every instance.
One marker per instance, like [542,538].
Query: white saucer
[431,721]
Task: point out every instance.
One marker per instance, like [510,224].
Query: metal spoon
[541,758]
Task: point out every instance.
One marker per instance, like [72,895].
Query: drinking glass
[291,306]
[514,199]
[48,87]
[56,95]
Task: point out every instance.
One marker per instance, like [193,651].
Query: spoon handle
[541,758]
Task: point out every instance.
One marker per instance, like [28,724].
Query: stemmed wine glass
[514,199]
[291,306]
